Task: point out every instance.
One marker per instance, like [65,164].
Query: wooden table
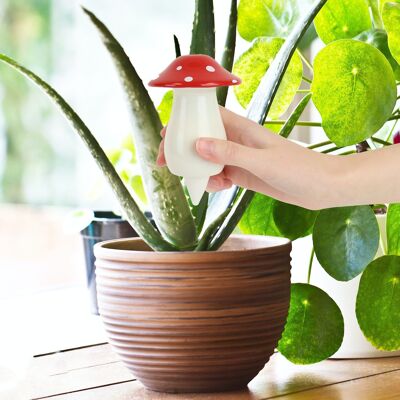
[94,373]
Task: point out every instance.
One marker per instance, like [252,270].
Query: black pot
[105,226]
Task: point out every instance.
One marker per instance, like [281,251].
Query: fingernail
[205,147]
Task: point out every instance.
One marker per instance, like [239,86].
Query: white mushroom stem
[195,113]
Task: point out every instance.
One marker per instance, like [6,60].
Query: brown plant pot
[194,321]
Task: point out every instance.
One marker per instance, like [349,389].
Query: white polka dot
[188,79]
[179,67]
[209,68]
[234,81]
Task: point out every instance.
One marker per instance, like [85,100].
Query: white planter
[354,345]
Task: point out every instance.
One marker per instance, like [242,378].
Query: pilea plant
[356,96]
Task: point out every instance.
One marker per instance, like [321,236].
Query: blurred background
[45,172]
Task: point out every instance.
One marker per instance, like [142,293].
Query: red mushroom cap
[195,70]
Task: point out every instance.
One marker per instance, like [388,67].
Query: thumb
[226,152]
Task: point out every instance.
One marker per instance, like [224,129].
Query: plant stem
[376,16]
[299,123]
[310,265]
[211,229]
[346,153]
[306,79]
[331,150]
[305,60]
[381,141]
[392,130]
[303,91]
[316,145]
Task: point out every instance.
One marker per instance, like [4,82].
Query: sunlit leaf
[391,20]
[136,184]
[379,39]
[314,328]
[342,19]
[292,221]
[393,229]
[268,17]
[258,218]
[346,240]
[251,67]
[356,93]
[165,107]
[378,303]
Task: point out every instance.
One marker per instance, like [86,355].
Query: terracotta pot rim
[256,245]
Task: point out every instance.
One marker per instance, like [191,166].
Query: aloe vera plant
[356,97]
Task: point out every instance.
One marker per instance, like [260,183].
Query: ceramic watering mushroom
[195,113]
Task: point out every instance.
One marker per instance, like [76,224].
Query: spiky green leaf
[169,205]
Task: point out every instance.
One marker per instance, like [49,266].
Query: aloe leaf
[168,202]
[178,52]
[203,33]
[261,104]
[294,117]
[229,51]
[135,217]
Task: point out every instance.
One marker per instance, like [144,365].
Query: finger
[163,131]
[217,183]
[226,152]
[244,131]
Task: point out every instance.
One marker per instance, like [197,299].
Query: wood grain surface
[94,373]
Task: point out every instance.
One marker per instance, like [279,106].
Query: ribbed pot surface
[194,321]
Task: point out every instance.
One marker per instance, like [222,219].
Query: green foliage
[391,20]
[293,222]
[229,51]
[169,204]
[267,216]
[165,107]
[252,66]
[378,303]
[258,218]
[356,94]
[342,19]
[379,39]
[261,104]
[203,33]
[346,240]
[314,329]
[294,117]
[393,229]
[123,158]
[269,17]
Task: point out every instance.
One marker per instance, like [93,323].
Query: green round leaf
[378,303]
[346,240]
[165,107]
[314,328]
[342,19]
[354,90]
[393,229]
[292,221]
[258,218]
[379,39]
[251,67]
[268,17]
[391,20]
